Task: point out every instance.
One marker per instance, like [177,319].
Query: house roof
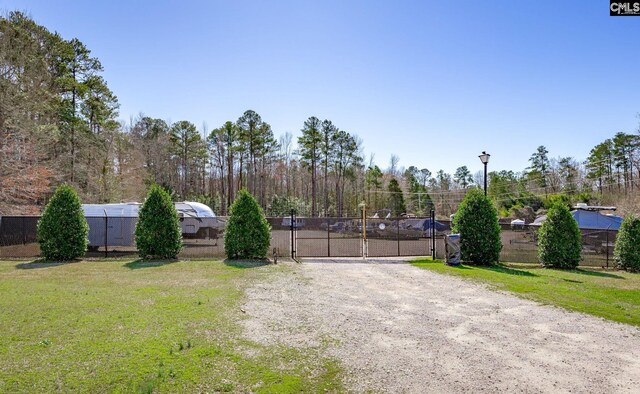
[590,220]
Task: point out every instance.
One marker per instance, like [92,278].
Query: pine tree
[599,164]
[540,166]
[249,125]
[397,199]
[187,142]
[327,149]
[310,152]
[463,177]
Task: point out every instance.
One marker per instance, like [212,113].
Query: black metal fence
[114,236]
[519,244]
[16,231]
[344,237]
[307,237]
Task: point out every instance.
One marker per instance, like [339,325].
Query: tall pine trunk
[229,179]
[222,191]
[326,187]
[240,172]
[314,211]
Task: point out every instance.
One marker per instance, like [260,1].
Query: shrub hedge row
[62,231]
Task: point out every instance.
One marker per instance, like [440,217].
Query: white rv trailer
[115,224]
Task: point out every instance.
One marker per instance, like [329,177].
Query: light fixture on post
[484,158]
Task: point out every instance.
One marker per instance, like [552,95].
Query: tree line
[609,175]
[59,124]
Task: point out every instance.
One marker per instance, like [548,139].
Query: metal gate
[362,237]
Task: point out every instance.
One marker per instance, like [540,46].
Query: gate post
[398,234]
[365,249]
[106,233]
[608,245]
[363,222]
[433,234]
[328,238]
[293,238]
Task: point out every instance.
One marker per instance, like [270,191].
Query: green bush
[554,199]
[584,197]
[248,234]
[627,250]
[158,232]
[476,220]
[63,229]
[282,206]
[559,239]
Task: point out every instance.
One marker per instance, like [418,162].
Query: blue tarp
[590,220]
[425,224]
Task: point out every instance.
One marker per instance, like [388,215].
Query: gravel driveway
[398,328]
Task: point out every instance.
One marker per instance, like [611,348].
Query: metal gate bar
[356,237]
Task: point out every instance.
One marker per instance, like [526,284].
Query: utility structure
[484,158]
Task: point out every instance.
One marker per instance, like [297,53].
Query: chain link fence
[114,236]
[310,237]
[519,245]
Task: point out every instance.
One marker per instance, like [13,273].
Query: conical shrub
[559,239]
[248,234]
[63,229]
[476,220]
[627,250]
[158,232]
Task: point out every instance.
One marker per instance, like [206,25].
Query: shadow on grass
[459,266]
[246,263]
[140,263]
[43,263]
[501,269]
[596,273]
[505,270]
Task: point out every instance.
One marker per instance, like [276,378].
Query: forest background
[59,123]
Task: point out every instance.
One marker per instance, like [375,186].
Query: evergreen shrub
[158,232]
[559,239]
[248,234]
[476,220]
[62,229]
[627,249]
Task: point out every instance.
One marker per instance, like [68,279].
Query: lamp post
[484,158]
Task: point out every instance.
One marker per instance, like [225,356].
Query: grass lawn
[611,295]
[130,326]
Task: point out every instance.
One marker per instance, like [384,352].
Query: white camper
[115,224]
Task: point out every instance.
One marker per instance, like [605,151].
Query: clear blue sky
[434,82]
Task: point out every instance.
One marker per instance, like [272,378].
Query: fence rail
[306,237]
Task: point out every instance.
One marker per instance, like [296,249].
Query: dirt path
[397,328]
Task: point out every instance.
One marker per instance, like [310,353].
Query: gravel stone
[398,328]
